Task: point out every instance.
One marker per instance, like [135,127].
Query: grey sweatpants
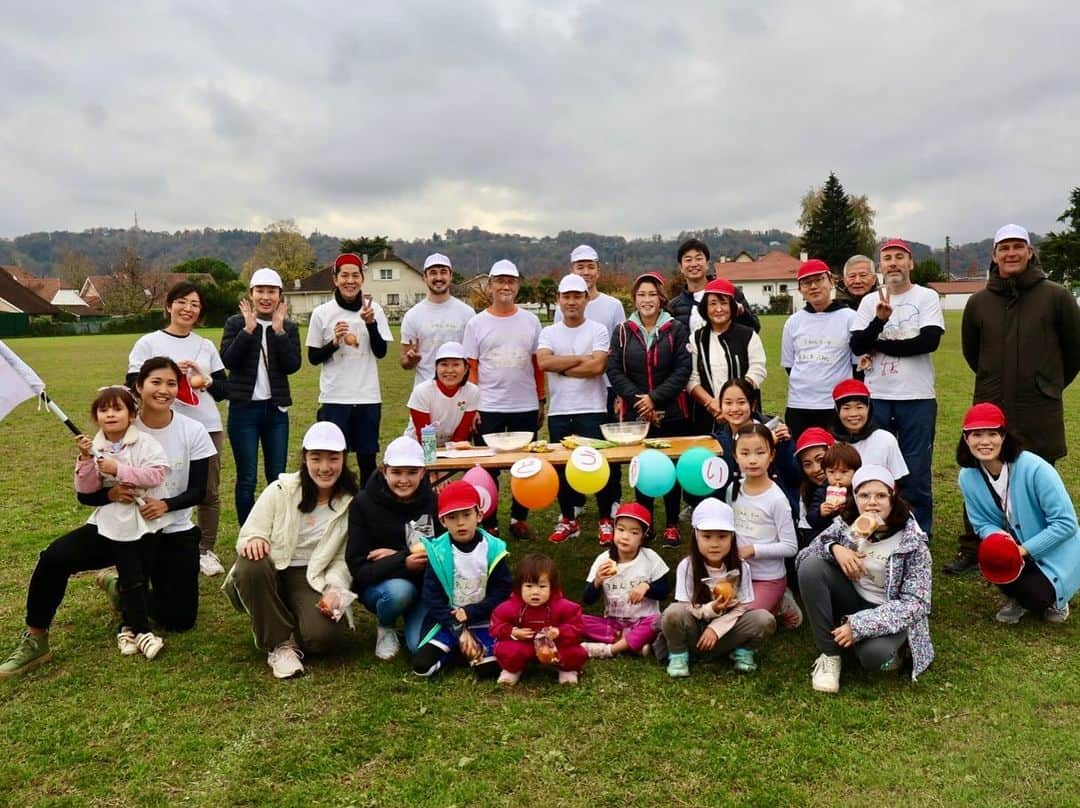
[680,631]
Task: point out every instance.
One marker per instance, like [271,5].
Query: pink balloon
[485,485]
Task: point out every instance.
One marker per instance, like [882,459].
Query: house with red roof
[774,273]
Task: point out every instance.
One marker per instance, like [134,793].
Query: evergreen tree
[832,234]
[1059,253]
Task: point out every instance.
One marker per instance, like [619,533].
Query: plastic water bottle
[428,439]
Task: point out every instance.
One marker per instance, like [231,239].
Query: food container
[508,441]
[625,433]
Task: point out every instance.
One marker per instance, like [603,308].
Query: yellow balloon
[587,471]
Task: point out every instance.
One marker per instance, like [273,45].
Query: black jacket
[662,370]
[683,303]
[241,352]
[379,519]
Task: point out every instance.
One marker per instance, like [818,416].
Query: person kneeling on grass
[1018,493]
[385,555]
[290,575]
[538,622]
[867,587]
[466,578]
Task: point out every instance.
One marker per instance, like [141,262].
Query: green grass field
[993,722]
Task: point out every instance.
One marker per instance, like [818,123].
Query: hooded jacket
[1021,337]
[563,614]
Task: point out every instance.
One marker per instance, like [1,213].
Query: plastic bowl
[626,433]
[508,441]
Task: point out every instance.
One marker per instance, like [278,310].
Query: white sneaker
[125,641]
[210,564]
[826,674]
[387,644]
[568,677]
[285,662]
[149,644]
[1010,612]
[1056,615]
[597,650]
[508,678]
[788,614]
[685,514]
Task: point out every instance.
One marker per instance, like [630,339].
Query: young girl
[809,451]
[448,401]
[537,608]
[763,524]
[119,453]
[705,622]
[853,424]
[868,591]
[1007,489]
[632,580]
[840,463]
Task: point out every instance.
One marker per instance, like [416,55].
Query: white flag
[18,382]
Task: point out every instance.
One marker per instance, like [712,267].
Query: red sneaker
[564,529]
[607,531]
[671,537]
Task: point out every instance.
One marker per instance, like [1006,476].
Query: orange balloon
[534,482]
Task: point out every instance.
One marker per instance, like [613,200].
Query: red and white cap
[984,416]
[458,496]
[895,244]
[814,266]
[814,436]
[633,510]
[655,277]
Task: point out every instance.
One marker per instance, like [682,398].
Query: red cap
[649,276]
[814,436]
[999,558]
[348,259]
[984,416]
[850,388]
[812,267]
[720,286]
[634,511]
[895,244]
[458,496]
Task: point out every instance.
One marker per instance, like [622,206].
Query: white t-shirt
[684,583]
[646,568]
[871,584]
[504,349]
[881,449]
[902,378]
[603,309]
[312,529]
[764,520]
[815,346]
[695,316]
[470,575]
[183,440]
[429,325]
[566,394]
[444,411]
[1000,484]
[350,375]
[262,390]
[193,348]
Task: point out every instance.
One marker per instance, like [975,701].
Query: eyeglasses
[814,280]
[871,496]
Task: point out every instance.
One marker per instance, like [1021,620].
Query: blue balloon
[652,473]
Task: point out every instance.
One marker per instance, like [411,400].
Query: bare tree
[130,288]
[74,268]
[283,248]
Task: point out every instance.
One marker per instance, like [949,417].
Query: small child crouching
[538,622]
[466,578]
[701,621]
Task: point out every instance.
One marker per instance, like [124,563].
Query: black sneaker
[964,562]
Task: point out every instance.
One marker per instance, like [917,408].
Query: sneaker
[568,677]
[1056,615]
[788,614]
[564,529]
[896,661]
[671,536]
[125,641]
[678,665]
[387,644]
[285,662]
[825,676]
[646,650]
[597,650]
[686,513]
[521,531]
[108,582]
[743,658]
[963,562]
[32,650]
[507,678]
[149,644]
[1010,612]
[210,564]
[606,531]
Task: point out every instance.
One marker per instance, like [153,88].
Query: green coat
[1021,337]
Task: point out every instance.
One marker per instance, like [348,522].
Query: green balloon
[688,471]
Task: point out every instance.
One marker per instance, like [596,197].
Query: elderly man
[815,350]
[1021,337]
[859,280]
[900,327]
[438,318]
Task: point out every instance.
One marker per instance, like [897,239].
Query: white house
[955,294]
[775,273]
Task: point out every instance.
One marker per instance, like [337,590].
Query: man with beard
[437,319]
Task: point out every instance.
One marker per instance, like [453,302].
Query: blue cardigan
[1043,518]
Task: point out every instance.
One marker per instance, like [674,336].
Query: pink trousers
[514,655]
[608,629]
[767,594]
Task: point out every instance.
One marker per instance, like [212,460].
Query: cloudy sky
[405,118]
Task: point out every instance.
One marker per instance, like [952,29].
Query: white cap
[451,350]
[323,436]
[869,473]
[712,514]
[1011,231]
[573,283]
[437,260]
[404,451]
[504,267]
[265,277]
[583,252]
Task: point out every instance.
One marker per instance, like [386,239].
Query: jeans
[359,423]
[913,423]
[507,422]
[587,425]
[249,423]
[393,598]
